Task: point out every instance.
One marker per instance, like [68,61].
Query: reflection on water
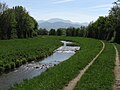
[33,69]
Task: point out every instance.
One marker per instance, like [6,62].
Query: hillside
[56,23]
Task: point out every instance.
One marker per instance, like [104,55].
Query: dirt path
[73,82]
[117,71]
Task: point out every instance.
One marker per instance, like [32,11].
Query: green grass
[100,75]
[14,53]
[57,77]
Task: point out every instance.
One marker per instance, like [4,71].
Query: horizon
[73,10]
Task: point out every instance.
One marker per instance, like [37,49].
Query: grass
[14,53]
[57,77]
[100,75]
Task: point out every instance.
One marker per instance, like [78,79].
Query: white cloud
[61,1]
[101,6]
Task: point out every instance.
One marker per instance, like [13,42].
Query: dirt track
[117,71]
[73,82]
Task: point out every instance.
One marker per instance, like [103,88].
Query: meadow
[100,75]
[16,52]
[57,77]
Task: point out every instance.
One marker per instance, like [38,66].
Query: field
[57,77]
[100,75]
[14,53]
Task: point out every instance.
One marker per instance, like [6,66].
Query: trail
[117,71]
[73,82]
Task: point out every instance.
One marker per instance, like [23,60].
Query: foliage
[104,28]
[52,32]
[108,27]
[42,31]
[16,23]
[59,32]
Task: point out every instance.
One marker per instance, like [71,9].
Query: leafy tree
[16,22]
[115,14]
[59,32]
[42,31]
[8,24]
[52,32]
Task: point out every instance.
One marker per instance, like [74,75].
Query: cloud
[101,6]
[61,1]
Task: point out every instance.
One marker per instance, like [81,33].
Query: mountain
[56,23]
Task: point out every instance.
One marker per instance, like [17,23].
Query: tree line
[104,28]
[16,23]
[108,27]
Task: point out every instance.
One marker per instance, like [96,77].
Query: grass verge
[100,75]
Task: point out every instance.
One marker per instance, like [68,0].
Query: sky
[74,10]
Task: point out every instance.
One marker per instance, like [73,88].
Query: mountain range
[56,23]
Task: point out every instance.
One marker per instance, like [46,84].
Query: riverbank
[33,69]
[57,77]
[14,53]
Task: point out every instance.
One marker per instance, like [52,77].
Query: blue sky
[74,10]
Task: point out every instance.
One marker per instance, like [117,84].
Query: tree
[3,7]
[42,31]
[52,32]
[26,25]
[115,14]
[8,24]
[59,32]
[16,22]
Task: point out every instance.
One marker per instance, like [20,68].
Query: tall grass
[14,53]
[57,77]
[100,75]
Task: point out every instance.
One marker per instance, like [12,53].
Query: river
[33,69]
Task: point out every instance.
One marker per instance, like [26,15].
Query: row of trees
[108,27]
[57,32]
[104,28]
[16,23]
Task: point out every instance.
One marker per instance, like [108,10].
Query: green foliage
[59,32]
[16,23]
[7,24]
[52,32]
[107,28]
[42,31]
[76,31]
[57,77]
[100,75]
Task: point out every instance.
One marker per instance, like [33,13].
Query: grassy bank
[55,78]
[100,75]
[14,53]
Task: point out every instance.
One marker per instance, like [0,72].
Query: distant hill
[56,23]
